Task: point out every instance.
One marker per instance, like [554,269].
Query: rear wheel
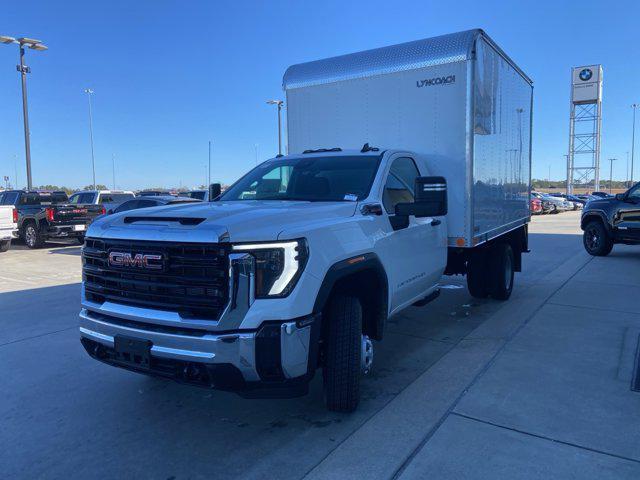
[4,245]
[32,236]
[501,271]
[596,239]
[477,275]
[343,354]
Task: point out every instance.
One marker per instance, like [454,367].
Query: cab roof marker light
[291,263]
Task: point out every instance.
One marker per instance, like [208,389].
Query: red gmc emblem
[146,261]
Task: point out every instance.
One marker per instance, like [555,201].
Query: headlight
[278,265]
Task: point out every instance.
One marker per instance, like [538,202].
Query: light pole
[23,69]
[113,169]
[89,92]
[209,175]
[626,177]
[279,104]
[634,106]
[611,174]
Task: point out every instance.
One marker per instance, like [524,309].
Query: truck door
[416,246]
[628,221]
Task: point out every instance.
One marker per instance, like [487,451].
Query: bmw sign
[586,74]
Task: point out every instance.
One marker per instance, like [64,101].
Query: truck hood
[211,222]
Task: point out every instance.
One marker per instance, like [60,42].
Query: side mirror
[621,197]
[430,199]
[110,211]
[215,189]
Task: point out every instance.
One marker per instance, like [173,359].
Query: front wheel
[80,239]
[596,239]
[343,354]
[4,245]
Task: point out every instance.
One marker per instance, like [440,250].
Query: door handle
[435,222]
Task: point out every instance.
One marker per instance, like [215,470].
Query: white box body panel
[470,119]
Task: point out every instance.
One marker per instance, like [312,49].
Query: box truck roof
[450,48]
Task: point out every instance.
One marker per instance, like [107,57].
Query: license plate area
[133,351]
[79,228]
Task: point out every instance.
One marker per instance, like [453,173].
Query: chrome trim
[237,349]
[294,349]
[241,297]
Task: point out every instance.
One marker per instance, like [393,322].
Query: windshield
[115,197]
[79,198]
[314,179]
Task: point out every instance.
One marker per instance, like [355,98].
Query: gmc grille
[193,280]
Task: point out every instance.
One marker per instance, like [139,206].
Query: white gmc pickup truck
[406,163]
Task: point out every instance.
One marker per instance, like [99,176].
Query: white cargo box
[457,100]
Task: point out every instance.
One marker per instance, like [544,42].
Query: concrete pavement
[536,387]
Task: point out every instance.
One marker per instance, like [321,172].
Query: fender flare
[591,214]
[350,266]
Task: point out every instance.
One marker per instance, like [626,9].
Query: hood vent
[180,220]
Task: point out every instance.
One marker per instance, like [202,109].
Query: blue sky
[170,75]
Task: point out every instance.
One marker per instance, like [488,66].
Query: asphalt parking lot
[533,388]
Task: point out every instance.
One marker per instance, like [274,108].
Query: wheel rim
[30,235]
[366,355]
[592,238]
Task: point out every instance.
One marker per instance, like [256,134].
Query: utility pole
[15,168]
[279,105]
[89,92]
[23,69]
[113,169]
[611,174]
[549,177]
[209,176]
[634,106]
[626,178]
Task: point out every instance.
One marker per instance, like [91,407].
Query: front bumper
[276,360]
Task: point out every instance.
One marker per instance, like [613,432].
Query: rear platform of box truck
[456,99]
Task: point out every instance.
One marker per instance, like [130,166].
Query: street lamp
[279,104]
[33,44]
[633,139]
[611,175]
[89,92]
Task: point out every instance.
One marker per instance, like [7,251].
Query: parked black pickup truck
[612,220]
[43,215]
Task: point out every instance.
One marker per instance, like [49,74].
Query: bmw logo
[585,74]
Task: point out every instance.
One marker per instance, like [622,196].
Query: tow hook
[366,356]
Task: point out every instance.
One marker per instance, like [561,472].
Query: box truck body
[457,99]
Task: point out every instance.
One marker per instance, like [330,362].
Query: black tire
[476,274]
[501,271]
[596,239]
[80,239]
[343,345]
[4,245]
[33,238]
[554,209]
